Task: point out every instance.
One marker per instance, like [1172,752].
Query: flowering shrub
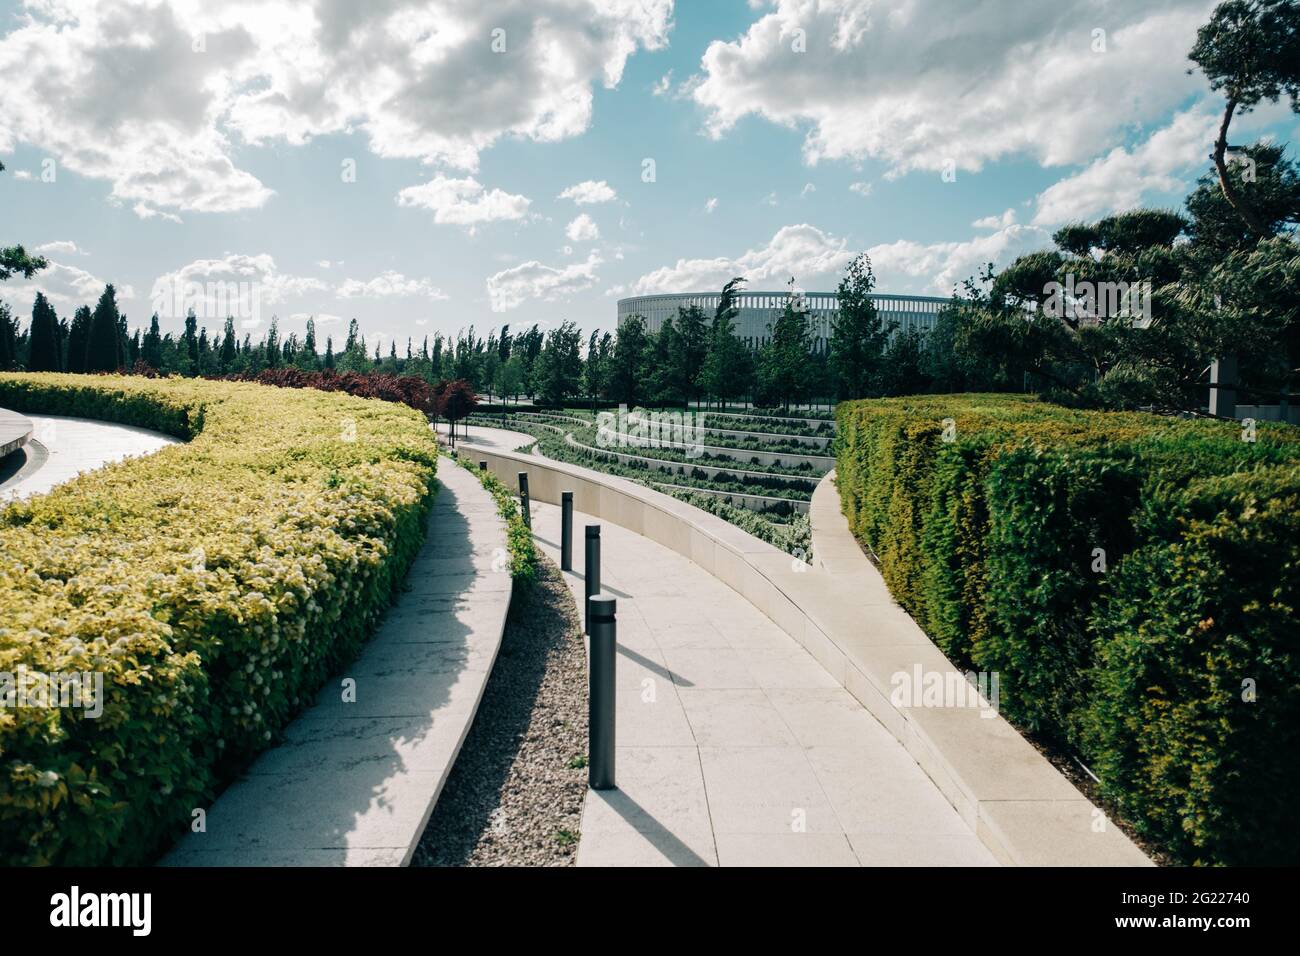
[214,584]
[406,389]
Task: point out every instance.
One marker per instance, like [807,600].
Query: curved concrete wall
[1023,809]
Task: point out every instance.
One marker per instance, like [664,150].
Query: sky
[427,166]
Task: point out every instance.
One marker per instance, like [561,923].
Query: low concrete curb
[354,783]
[1022,808]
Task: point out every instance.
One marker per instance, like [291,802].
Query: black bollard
[591,573]
[523,500]
[566,531]
[600,698]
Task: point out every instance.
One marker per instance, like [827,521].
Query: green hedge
[215,584]
[993,535]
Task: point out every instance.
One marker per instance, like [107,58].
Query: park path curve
[62,448]
[735,746]
[353,783]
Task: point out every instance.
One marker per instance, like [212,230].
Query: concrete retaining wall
[1023,809]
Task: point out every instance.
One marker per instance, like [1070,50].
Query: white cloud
[115,90]
[803,251]
[1117,181]
[57,247]
[511,287]
[996,222]
[711,205]
[67,287]
[464,202]
[918,83]
[807,190]
[664,85]
[235,284]
[582,229]
[386,285]
[24,175]
[145,211]
[862,189]
[937,268]
[588,192]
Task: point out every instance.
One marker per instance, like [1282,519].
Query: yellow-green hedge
[1127,576]
[215,583]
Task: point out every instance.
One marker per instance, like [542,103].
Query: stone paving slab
[735,747]
[353,784]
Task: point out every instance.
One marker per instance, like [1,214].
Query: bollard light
[523,500]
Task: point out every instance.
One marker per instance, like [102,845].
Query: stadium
[758,310]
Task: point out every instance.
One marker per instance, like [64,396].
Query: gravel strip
[514,796]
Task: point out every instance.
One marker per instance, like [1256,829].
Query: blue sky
[785,136]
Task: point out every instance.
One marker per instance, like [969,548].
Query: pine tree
[44,350]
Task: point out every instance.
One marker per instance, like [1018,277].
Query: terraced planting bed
[769,501]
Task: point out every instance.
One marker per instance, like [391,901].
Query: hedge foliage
[1133,579]
[519,536]
[215,584]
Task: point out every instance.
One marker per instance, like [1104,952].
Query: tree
[1249,51]
[783,362]
[559,366]
[43,348]
[628,364]
[229,348]
[8,338]
[103,339]
[191,343]
[151,348]
[858,334]
[692,349]
[1217,229]
[728,368]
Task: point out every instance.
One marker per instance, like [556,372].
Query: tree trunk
[1225,182]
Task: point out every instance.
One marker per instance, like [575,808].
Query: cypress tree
[151,349]
[103,340]
[44,355]
[78,336]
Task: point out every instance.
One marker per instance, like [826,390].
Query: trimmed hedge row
[519,536]
[215,585]
[1133,579]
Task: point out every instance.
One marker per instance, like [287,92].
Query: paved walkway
[353,784]
[62,448]
[735,747]
[497,439]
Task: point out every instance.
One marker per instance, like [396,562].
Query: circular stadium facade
[758,310]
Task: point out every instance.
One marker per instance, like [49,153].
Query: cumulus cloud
[235,284]
[582,229]
[862,189]
[921,83]
[464,202]
[511,287]
[590,191]
[939,267]
[711,204]
[387,285]
[59,246]
[996,222]
[1117,181]
[802,251]
[67,287]
[153,97]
